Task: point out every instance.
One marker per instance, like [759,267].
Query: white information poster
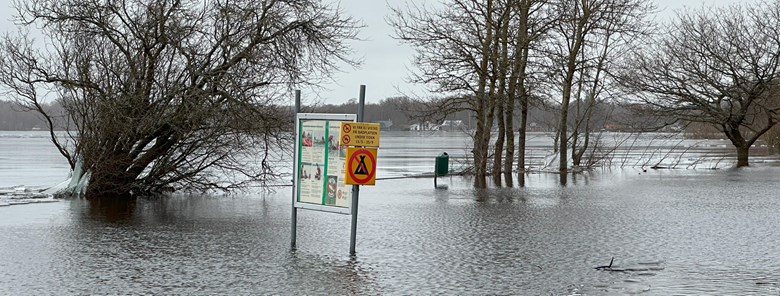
[320,163]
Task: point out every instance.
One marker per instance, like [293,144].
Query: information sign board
[319,164]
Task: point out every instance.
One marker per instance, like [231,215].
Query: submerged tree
[581,44]
[170,94]
[477,53]
[454,46]
[530,21]
[719,66]
[609,43]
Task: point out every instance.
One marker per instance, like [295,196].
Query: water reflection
[580,179]
[183,245]
[344,276]
[110,210]
[670,232]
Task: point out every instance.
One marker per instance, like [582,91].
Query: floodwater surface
[670,232]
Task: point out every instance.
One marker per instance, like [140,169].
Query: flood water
[671,232]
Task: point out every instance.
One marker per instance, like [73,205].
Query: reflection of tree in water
[111,210]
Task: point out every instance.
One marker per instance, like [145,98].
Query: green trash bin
[442,167]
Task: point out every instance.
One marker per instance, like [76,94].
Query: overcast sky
[386,62]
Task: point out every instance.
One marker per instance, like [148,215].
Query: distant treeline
[395,113]
[392,111]
[401,113]
[15,118]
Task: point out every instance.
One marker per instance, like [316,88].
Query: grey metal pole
[356,188]
[294,227]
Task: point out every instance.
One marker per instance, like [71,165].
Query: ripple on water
[670,233]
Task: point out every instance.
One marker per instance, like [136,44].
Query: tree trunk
[523,128]
[499,145]
[510,143]
[108,187]
[578,38]
[484,108]
[521,141]
[731,129]
[501,60]
[563,144]
[480,157]
[743,154]
[564,177]
[575,141]
[517,86]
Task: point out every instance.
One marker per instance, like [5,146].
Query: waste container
[442,167]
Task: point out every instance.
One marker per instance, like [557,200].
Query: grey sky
[386,62]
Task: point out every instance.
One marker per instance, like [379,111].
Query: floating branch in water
[606,267]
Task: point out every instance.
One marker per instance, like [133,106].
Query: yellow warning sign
[359,134]
[361,166]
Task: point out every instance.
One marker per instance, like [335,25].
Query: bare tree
[524,23]
[607,45]
[579,22]
[719,66]
[477,54]
[454,44]
[171,94]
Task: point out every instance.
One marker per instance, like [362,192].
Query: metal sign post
[356,188]
[293,230]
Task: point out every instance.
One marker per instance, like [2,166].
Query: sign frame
[297,165]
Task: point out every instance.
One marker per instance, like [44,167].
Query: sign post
[294,226]
[356,188]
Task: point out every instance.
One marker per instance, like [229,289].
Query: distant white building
[425,126]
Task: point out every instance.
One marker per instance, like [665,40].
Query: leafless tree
[454,44]
[171,94]
[580,23]
[530,21]
[719,66]
[608,44]
[476,53]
